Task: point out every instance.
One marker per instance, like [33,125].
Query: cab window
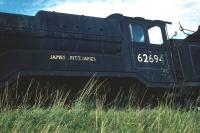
[137,33]
[155,35]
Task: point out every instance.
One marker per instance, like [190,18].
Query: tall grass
[54,111]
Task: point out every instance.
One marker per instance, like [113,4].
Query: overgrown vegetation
[48,112]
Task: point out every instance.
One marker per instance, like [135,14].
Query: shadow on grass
[96,92]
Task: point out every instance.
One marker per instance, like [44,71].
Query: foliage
[87,116]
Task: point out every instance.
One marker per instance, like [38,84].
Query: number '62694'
[150,58]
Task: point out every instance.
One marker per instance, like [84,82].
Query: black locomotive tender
[57,44]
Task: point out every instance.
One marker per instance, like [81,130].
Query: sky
[184,11]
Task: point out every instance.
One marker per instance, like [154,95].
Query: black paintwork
[187,65]
[195,37]
[28,42]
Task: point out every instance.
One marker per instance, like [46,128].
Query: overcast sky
[185,11]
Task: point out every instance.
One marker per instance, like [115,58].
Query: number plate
[151,60]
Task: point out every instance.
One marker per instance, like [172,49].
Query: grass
[86,116]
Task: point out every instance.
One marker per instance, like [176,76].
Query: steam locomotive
[58,44]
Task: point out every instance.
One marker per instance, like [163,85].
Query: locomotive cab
[150,51]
